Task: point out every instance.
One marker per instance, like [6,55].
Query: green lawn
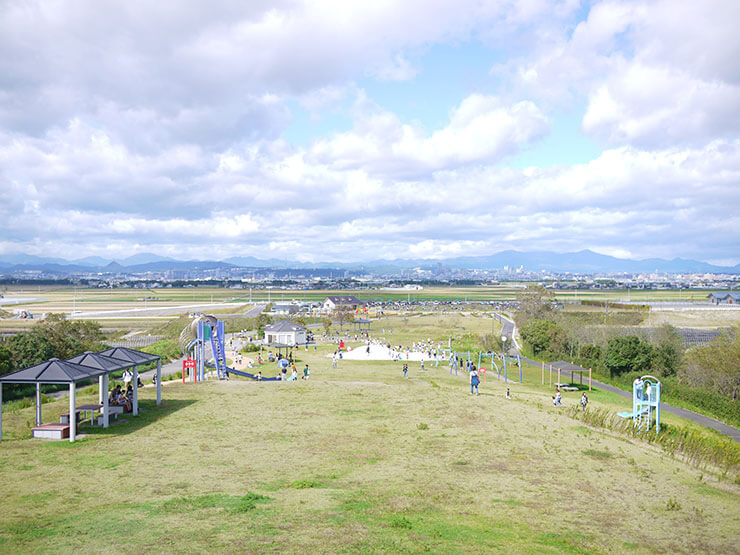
[356,459]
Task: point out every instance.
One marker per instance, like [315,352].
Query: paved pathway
[252,313]
[721,427]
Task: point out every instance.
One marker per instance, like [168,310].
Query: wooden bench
[51,431]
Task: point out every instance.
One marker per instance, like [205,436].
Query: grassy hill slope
[355,459]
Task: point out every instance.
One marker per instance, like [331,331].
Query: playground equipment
[645,403]
[502,359]
[206,330]
[452,357]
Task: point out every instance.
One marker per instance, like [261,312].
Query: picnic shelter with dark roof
[83,367]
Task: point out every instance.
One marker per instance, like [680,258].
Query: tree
[262,321]
[627,354]
[6,362]
[342,317]
[668,351]
[544,336]
[534,302]
[715,366]
[29,348]
[326,322]
[491,342]
[69,337]
[590,352]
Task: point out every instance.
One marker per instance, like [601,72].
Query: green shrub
[165,349]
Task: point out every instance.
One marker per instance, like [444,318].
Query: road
[721,427]
[252,313]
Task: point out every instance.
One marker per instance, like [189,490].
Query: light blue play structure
[645,403]
[204,331]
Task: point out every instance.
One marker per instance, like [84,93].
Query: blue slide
[252,376]
[247,374]
[633,414]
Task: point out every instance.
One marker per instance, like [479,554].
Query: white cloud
[652,74]
[481,130]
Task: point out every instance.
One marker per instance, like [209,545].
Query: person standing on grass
[584,401]
[128,376]
[557,401]
[306,372]
[405,370]
[474,381]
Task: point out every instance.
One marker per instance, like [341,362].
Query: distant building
[345,302]
[285,333]
[724,297]
[285,308]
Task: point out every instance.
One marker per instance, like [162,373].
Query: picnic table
[82,410]
[566,386]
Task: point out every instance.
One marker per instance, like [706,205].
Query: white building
[285,333]
[345,302]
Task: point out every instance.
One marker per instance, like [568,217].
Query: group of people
[123,399]
[283,375]
[644,390]
[557,400]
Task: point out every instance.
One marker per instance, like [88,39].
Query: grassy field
[91,298]
[357,459]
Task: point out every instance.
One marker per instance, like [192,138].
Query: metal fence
[136,342]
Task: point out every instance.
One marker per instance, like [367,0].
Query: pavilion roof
[100,362]
[52,371]
[129,355]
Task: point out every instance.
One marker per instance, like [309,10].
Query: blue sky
[333,131]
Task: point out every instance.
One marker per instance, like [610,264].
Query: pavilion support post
[38,404]
[102,389]
[551,375]
[543,372]
[159,382]
[558,377]
[106,410]
[72,413]
[1,412]
[589,379]
[136,391]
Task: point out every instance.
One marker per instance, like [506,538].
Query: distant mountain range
[584,261]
